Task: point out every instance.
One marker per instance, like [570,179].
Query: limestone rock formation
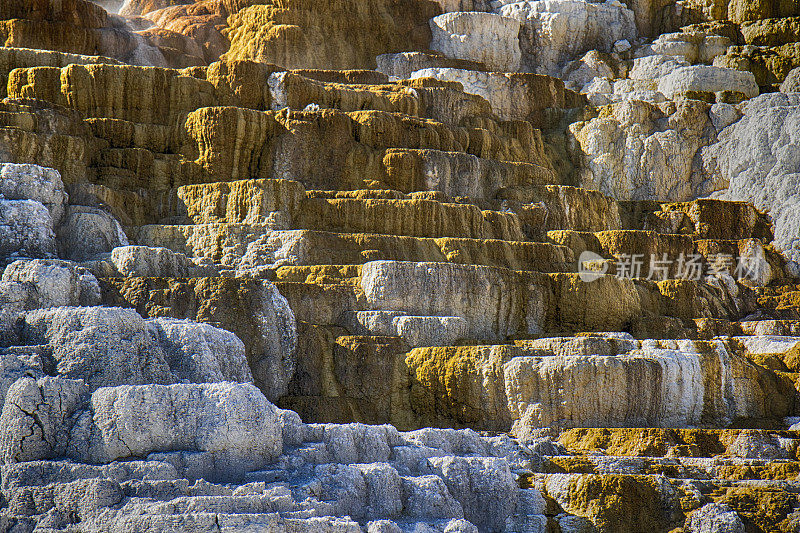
[512,96]
[53,283]
[77,27]
[639,150]
[537,272]
[401,65]
[38,419]
[30,182]
[253,310]
[301,34]
[143,261]
[715,517]
[791,84]
[103,346]
[746,162]
[559,30]
[199,353]
[686,396]
[26,230]
[707,79]
[694,44]
[485,38]
[456,290]
[233,426]
[88,232]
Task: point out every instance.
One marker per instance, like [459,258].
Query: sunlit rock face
[399,266]
[559,30]
[754,160]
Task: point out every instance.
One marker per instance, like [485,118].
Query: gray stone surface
[714,518]
[37,417]
[274,367]
[200,353]
[792,82]
[103,346]
[558,31]
[489,299]
[756,160]
[415,330]
[53,283]
[145,261]
[26,230]
[483,485]
[233,423]
[429,497]
[707,79]
[32,182]
[87,232]
[487,38]
[108,346]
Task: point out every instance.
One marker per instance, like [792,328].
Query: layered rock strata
[536,272]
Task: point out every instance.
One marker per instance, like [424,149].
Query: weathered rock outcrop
[486,38]
[199,353]
[512,96]
[251,309]
[594,381]
[181,417]
[749,157]
[493,301]
[304,34]
[707,79]
[37,418]
[29,182]
[769,65]
[568,224]
[111,346]
[690,386]
[76,27]
[560,30]
[26,230]
[639,151]
[142,261]
[212,430]
[52,283]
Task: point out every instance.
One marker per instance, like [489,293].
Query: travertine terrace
[400,266]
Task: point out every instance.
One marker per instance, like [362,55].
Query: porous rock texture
[749,156]
[536,272]
[560,30]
